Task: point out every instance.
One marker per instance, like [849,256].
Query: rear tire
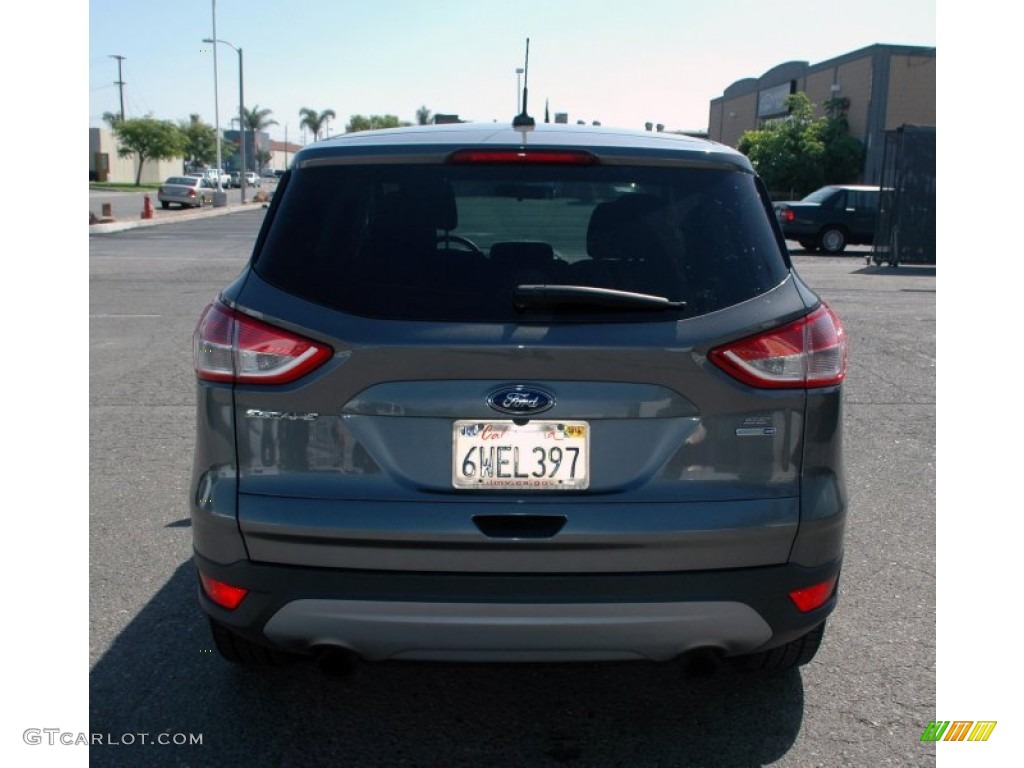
[808,245]
[238,650]
[164,204]
[832,240]
[793,654]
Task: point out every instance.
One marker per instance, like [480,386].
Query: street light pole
[216,101]
[241,114]
[241,125]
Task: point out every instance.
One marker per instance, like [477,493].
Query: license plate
[536,456]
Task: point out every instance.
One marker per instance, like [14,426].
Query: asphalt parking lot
[864,701]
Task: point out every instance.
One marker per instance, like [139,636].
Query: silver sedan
[186,191]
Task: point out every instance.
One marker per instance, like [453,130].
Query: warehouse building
[883,87]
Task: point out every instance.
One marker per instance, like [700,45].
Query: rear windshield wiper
[526,297]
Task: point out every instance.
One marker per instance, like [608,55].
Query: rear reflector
[224,595]
[522,156]
[231,346]
[809,598]
[810,352]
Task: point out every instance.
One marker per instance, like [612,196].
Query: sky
[622,64]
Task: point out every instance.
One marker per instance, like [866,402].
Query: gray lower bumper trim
[517,631]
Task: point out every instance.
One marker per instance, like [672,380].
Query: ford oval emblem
[521,400]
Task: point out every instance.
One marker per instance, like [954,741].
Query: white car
[212,174]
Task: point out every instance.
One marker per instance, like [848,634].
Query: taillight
[230,346]
[191,193]
[787,214]
[522,156]
[223,594]
[810,352]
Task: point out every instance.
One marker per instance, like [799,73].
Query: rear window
[440,242]
[183,180]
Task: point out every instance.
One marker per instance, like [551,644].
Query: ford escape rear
[543,394]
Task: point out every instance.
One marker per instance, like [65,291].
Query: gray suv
[487,393]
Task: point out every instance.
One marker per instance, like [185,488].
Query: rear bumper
[497,617]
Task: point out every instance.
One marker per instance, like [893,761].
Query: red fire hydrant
[147,207]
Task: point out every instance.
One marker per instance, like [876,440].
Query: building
[883,87]
[281,153]
[106,165]
[257,147]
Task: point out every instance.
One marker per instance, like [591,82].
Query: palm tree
[315,120]
[257,120]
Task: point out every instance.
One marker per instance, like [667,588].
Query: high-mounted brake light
[810,352]
[223,594]
[522,156]
[230,346]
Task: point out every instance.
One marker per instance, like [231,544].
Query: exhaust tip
[335,662]
[700,663]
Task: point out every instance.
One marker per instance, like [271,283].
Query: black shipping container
[905,230]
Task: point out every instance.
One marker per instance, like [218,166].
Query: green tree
[256,121]
[423,116]
[263,157]
[799,153]
[111,119]
[314,120]
[373,122]
[148,139]
[199,145]
[844,155]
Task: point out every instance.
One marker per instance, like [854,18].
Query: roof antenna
[523,120]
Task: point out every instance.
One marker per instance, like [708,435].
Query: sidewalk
[161,216]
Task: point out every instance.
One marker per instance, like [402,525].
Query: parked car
[269,173]
[251,179]
[212,174]
[234,179]
[831,218]
[438,420]
[188,191]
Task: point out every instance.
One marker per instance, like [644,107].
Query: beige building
[281,154]
[884,87]
[106,165]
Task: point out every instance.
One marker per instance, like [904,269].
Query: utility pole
[120,80]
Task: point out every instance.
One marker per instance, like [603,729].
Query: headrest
[435,200]
[613,225]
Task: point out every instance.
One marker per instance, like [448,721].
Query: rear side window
[863,199]
[439,242]
[825,195]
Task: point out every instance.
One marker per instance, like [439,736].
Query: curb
[120,226]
